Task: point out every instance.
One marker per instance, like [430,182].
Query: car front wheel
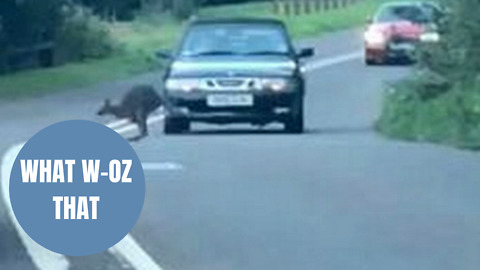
[375,58]
[369,61]
[295,121]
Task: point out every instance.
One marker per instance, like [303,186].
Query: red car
[396,29]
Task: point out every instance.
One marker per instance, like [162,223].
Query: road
[338,197]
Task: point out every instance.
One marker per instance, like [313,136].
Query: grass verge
[139,39]
[451,118]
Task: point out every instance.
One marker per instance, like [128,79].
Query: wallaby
[136,106]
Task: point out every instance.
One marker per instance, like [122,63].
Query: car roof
[237,21]
[420,4]
[405,3]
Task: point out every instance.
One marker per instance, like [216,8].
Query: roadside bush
[428,84]
[452,118]
[83,36]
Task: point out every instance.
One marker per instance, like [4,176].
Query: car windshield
[235,39]
[399,13]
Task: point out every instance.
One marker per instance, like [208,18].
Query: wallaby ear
[107,102]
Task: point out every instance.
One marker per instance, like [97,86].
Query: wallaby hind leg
[142,125]
[141,121]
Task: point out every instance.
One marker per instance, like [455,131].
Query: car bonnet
[232,66]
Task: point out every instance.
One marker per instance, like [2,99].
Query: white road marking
[158,114]
[117,124]
[131,127]
[328,62]
[128,250]
[162,166]
[43,259]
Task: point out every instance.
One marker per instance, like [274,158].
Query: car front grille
[230,82]
[401,39]
[234,84]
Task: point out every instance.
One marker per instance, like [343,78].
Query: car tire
[374,60]
[295,121]
[370,62]
[174,125]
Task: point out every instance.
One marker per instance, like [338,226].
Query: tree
[112,9]
[457,57]
[183,9]
[29,22]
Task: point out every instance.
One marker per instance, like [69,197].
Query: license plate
[402,47]
[229,100]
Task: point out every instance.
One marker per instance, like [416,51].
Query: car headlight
[276,85]
[375,38]
[185,85]
[431,37]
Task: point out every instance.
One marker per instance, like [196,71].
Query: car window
[432,11]
[235,39]
[411,13]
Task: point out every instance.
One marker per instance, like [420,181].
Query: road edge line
[42,258]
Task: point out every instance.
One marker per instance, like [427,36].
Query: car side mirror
[305,53]
[164,54]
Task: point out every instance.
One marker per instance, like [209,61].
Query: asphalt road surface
[339,197]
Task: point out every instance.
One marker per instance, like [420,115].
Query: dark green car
[235,71]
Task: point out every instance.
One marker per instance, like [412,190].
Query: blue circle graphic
[81,217]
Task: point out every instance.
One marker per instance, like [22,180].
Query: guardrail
[299,7]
